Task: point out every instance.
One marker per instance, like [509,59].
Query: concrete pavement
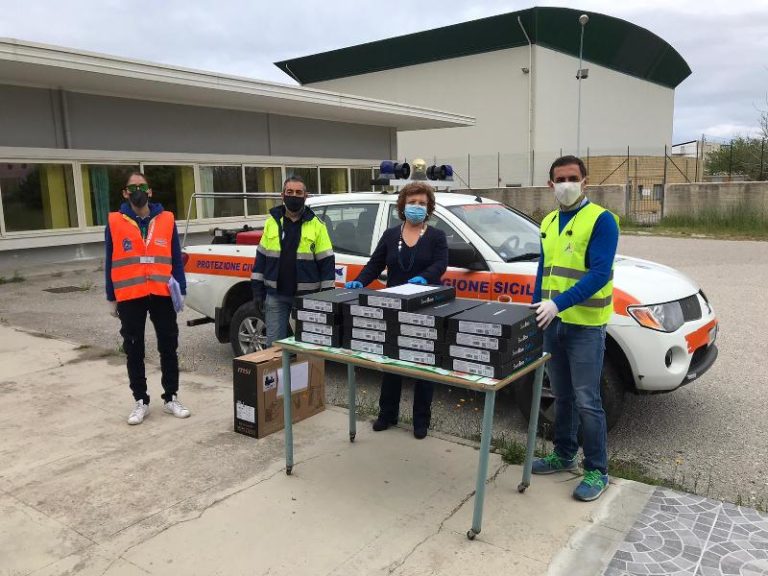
[81,492]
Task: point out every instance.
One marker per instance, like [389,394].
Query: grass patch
[738,222]
[13,279]
[513,452]
[631,470]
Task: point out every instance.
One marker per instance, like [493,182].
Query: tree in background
[744,157]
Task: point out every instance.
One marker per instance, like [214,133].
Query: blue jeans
[277,309]
[574,374]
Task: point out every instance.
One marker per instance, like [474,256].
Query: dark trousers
[133,319]
[389,400]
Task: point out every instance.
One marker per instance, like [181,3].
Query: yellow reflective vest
[315,261]
[565,264]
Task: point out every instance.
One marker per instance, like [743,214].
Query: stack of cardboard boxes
[422,324]
[319,318]
[493,340]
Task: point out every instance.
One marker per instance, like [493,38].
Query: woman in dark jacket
[412,252]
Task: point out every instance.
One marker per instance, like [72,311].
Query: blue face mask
[415,214]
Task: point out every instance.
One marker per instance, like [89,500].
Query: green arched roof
[610,42]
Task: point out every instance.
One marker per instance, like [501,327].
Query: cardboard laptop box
[332,340]
[328,301]
[257,380]
[419,357]
[421,344]
[317,317]
[414,331]
[495,319]
[491,356]
[324,329]
[351,333]
[367,323]
[408,297]
[368,346]
[434,316]
[497,371]
[358,310]
[503,345]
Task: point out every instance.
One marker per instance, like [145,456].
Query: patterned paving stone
[687,535]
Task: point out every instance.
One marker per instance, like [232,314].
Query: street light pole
[583,19]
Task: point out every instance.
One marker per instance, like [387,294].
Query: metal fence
[644,171]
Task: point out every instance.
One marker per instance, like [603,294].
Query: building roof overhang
[39,65]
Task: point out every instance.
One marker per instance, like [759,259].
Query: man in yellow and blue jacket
[295,257]
[574,302]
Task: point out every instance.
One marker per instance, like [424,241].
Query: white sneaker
[138,413]
[176,408]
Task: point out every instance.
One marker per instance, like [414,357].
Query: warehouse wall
[723,197]
[618,110]
[537,201]
[33,117]
[491,87]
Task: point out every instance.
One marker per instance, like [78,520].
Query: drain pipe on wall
[530,102]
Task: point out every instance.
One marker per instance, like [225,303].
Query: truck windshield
[512,237]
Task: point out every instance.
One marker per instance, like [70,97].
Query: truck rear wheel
[611,391]
[247,330]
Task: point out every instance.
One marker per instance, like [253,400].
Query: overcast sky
[725,42]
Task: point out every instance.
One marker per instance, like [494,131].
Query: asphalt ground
[710,437]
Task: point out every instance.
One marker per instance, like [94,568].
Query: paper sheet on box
[408,289]
[299,378]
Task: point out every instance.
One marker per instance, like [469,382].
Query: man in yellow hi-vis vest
[574,301]
[294,257]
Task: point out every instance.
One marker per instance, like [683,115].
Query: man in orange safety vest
[145,276]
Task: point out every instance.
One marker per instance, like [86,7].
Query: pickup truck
[661,335]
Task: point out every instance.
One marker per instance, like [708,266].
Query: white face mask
[568,192]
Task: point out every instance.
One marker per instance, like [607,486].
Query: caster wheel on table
[522,487]
[288,470]
[471,534]
[351,437]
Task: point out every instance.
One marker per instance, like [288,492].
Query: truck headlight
[662,317]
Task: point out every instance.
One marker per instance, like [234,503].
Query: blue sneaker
[552,463]
[592,486]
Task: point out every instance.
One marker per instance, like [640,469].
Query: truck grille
[691,308]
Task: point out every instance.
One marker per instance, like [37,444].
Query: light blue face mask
[415,214]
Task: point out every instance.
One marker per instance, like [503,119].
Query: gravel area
[711,436]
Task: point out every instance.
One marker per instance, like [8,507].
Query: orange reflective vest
[141,266]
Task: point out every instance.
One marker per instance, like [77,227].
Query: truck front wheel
[611,391]
[247,330]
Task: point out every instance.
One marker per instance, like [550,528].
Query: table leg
[351,401]
[288,412]
[533,424]
[482,468]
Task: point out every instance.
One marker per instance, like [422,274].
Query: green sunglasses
[137,188]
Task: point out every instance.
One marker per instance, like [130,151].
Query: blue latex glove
[354,284]
[417,280]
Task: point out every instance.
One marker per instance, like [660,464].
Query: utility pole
[583,19]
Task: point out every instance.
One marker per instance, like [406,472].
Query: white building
[73,124]
[516,74]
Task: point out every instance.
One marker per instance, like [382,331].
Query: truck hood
[649,282]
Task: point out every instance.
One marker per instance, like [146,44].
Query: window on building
[222,179]
[308,174]
[38,196]
[102,190]
[333,180]
[351,227]
[361,179]
[172,186]
[259,179]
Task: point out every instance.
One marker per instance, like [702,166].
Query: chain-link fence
[644,171]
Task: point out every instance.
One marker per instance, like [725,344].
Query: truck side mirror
[463,255]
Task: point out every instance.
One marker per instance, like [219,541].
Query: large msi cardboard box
[258,391]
